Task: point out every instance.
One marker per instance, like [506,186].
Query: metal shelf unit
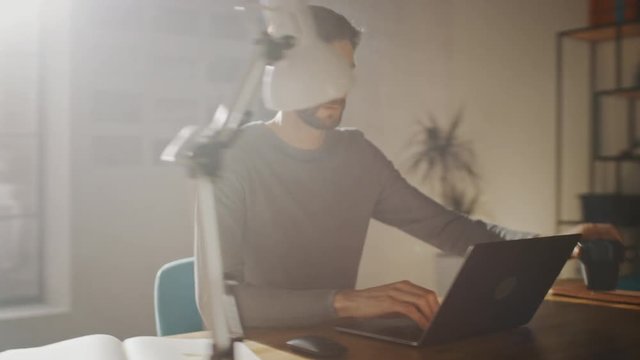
[592,36]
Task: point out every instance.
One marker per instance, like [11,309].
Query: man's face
[329,115]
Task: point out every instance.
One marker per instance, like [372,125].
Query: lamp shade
[312,72]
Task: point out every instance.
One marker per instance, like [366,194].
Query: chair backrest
[175,302]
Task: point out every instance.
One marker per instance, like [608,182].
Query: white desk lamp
[298,71]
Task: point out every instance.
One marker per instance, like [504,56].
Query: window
[21,154]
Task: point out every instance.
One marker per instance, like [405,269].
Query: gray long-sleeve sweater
[293,222]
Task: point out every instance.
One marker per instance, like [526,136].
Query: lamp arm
[200,150]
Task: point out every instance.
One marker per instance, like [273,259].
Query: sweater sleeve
[403,206]
[259,306]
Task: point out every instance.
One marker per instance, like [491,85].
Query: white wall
[493,58]
[504,78]
[402,70]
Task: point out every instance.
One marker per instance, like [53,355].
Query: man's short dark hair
[332,26]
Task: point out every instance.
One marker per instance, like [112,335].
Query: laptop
[500,286]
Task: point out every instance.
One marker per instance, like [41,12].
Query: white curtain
[20,155]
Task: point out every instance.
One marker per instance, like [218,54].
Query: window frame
[54,176]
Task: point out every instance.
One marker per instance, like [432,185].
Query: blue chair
[175,302]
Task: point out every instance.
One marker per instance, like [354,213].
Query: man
[295,197]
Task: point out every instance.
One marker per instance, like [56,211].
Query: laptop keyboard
[395,327]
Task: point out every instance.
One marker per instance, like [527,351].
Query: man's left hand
[594,231]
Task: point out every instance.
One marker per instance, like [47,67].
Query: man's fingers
[425,301]
[408,286]
[431,296]
[413,301]
[412,312]
[419,302]
[594,231]
[612,232]
[435,303]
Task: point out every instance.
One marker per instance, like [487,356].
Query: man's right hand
[402,297]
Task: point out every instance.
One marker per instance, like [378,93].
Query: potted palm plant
[446,164]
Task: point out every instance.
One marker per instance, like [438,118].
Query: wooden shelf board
[604,32]
[629,93]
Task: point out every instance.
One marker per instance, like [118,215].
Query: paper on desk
[577,289]
[106,347]
[156,348]
[95,347]
[625,292]
[159,348]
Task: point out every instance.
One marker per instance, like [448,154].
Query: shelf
[629,93]
[633,158]
[616,34]
[604,32]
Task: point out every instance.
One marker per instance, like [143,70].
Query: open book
[106,347]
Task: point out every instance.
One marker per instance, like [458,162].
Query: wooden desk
[559,330]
